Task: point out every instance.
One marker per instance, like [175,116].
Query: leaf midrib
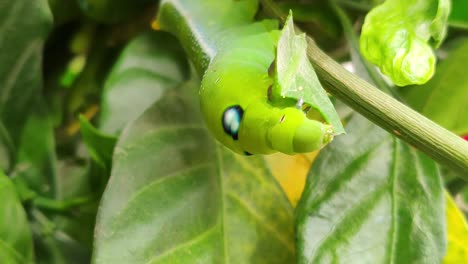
[261,220]
[190,242]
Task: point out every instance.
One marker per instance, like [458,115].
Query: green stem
[353,42]
[46,226]
[60,206]
[385,111]
[388,113]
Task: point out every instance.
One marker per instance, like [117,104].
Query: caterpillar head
[236,109]
[266,128]
[258,127]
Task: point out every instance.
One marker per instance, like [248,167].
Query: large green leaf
[444,99]
[15,236]
[23,28]
[370,198]
[175,196]
[151,63]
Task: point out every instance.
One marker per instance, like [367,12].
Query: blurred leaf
[64,10]
[149,64]
[177,197]
[444,99]
[361,5]
[58,248]
[36,161]
[318,13]
[459,15]
[398,37]
[76,182]
[379,202]
[99,145]
[7,148]
[295,77]
[38,169]
[15,236]
[462,200]
[88,86]
[68,236]
[24,26]
[457,233]
[112,11]
[53,246]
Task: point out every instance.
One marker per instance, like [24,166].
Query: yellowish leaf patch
[291,172]
[457,234]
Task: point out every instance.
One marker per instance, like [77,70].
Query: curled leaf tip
[399,38]
[295,77]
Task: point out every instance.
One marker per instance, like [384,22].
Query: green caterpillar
[234,53]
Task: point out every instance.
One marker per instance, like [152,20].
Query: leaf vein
[261,220]
[170,176]
[194,240]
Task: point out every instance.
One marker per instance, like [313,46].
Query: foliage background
[94,100]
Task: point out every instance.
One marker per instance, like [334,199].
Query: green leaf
[459,14]
[112,11]
[36,160]
[318,13]
[149,64]
[99,145]
[7,148]
[38,170]
[295,77]
[370,198]
[15,236]
[361,5]
[66,237]
[24,26]
[88,83]
[175,196]
[444,98]
[58,248]
[398,37]
[79,182]
[63,10]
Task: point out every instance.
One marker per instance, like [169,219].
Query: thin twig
[385,111]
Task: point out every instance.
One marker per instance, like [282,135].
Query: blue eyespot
[231,120]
